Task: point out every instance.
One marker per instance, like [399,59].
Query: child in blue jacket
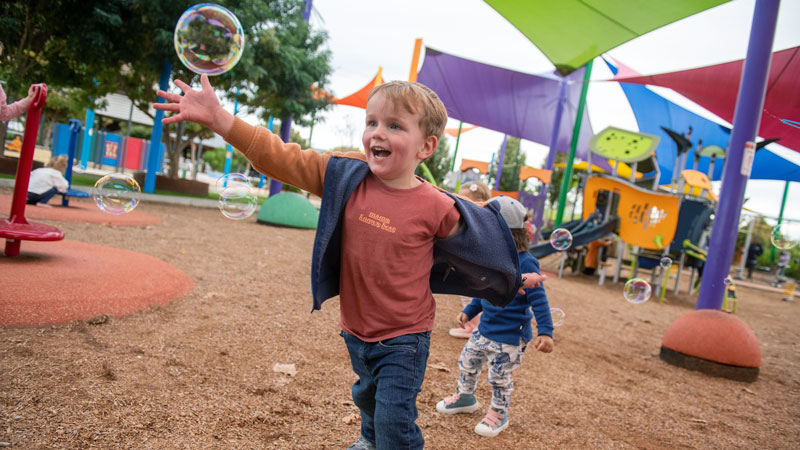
[501,338]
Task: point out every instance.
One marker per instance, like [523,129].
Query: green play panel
[712,150]
[623,145]
[289,209]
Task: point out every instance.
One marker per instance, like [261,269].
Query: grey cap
[512,211]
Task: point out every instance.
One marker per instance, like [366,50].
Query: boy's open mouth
[379,152]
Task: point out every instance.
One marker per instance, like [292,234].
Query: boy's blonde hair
[416,98]
[476,191]
[58,163]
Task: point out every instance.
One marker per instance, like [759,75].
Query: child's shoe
[469,327]
[492,424]
[458,403]
[362,444]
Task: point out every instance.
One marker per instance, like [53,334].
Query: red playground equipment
[15,228]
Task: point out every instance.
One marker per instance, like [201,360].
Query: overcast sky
[365,35]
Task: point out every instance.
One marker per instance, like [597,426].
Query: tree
[215,157]
[513,161]
[98,47]
[282,60]
[439,162]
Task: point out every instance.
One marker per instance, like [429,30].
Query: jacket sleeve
[537,298]
[473,309]
[286,163]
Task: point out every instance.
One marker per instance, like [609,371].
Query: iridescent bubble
[116,193]
[781,238]
[665,262]
[637,290]
[561,239]
[238,201]
[558,316]
[209,39]
[728,280]
[231,179]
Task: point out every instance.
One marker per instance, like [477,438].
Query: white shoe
[492,424]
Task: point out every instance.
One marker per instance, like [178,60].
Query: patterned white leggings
[502,358]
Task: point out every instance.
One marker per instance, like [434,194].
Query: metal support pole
[500,163]
[749,105]
[154,153]
[576,132]
[551,156]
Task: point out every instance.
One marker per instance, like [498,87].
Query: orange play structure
[647,219]
[697,184]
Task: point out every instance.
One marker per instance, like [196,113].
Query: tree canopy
[95,47]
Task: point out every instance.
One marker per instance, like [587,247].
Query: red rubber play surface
[79,211]
[56,282]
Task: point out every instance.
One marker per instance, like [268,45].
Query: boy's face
[394,143]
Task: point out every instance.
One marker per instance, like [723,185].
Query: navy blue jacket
[480,261]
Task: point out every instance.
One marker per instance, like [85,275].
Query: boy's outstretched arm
[201,107]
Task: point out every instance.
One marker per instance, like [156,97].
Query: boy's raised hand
[201,107]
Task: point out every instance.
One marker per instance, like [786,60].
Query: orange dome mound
[713,342]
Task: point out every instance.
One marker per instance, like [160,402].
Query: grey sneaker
[458,403]
[362,444]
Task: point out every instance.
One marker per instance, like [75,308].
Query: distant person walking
[753,253]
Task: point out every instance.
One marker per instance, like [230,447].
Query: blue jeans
[44,197]
[390,377]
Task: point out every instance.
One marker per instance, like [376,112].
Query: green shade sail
[571,33]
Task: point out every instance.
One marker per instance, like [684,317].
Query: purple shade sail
[510,102]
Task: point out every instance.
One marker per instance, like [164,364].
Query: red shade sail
[716,88]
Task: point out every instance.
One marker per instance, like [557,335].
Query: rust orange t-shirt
[387,255]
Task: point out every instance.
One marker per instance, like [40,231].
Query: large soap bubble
[209,39]
[116,193]
[237,198]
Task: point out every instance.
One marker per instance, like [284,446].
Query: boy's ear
[431,142]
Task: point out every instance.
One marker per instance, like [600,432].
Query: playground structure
[16,228]
[530,201]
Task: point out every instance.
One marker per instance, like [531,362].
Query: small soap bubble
[116,193]
[665,262]
[558,316]
[208,39]
[637,290]
[561,239]
[728,280]
[781,238]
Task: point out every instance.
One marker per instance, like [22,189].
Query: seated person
[47,182]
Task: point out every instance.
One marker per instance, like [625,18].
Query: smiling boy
[385,241]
